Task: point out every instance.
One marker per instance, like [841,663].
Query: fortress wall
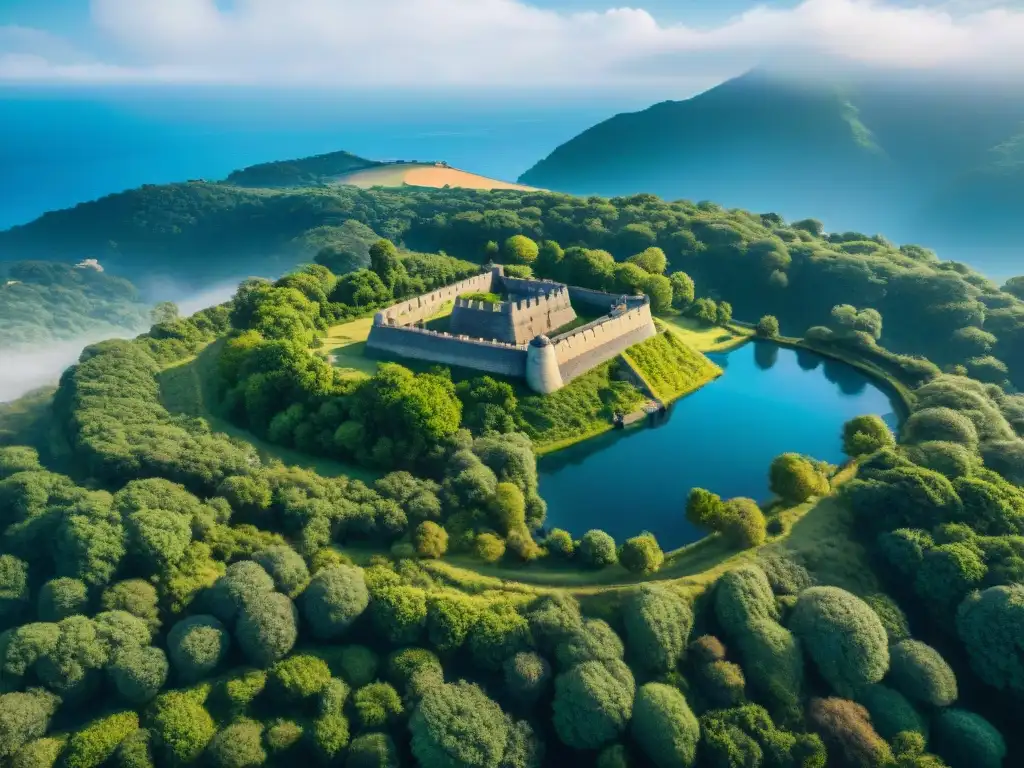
[427,305]
[483,320]
[601,299]
[580,350]
[420,344]
[529,287]
[541,314]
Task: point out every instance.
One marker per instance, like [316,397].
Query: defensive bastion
[511,337]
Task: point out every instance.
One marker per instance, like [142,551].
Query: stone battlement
[493,337]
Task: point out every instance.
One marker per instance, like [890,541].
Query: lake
[723,437]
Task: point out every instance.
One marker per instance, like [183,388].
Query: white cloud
[503,42]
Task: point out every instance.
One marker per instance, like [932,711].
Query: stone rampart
[600,299]
[427,305]
[581,349]
[436,347]
[516,321]
[529,286]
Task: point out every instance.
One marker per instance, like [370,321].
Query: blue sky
[494,43]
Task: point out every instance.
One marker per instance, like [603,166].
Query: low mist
[25,369]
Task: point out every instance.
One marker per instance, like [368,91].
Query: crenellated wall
[428,304]
[437,347]
[581,349]
[514,321]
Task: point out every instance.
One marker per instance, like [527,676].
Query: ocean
[58,149]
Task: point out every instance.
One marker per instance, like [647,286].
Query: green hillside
[861,153]
[306,172]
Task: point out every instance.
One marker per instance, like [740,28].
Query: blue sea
[58,149]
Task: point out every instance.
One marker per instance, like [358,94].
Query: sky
[493,43]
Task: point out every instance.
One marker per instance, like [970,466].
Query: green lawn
[670,367]
[186,388]
[705,338]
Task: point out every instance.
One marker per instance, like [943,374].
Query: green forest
[170,595]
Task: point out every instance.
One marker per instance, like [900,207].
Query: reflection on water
[723,437]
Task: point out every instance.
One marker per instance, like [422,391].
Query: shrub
[641,554]
[664,726]
[593,640]
[524,748]
[181,727]
[372,750]
[242,582]
[597,549]
[328,736]
[449,618]
[895,622]
[744,525]
[768,327]
[458,726]
[943,424]
[430,539]
[40,753]
[242,688]
[281,735]
[774,665]
[139,673]
[196,646]
[358,665]
[948,459]
[335,598]
[843,636]
[333,695]
[706,649]
[135,596]
[794,479]
[403,664]
[990,624]
[658,623]
[947,573]
[300,676]
[705,509]
[240,745]
[722,683]
[967,740]
[527,676]
[785,572]
[399,613]
[560,543]
[94,744]
[496,635]
[61,598]
[920,673]
[743,595]
[866,434]
[286,567]
[890,712]
[135,751]
[377,705]
[488,547]
[593,703]
[267,629]
[23,717]
[846,728]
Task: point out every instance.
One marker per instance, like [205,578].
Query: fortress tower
[542,374]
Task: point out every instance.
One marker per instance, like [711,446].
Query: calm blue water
[770,400]
[59,149]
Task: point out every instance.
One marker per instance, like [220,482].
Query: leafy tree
[846,729]
[24,716]
[742,596]
[430,540]
[489,547]
[641,554]
[947,573]
[967,740]
[456,726]
[659,289]
[136,597]
[593,703]
[705,510]
[496,635]
[358,665]
[385,263]
[403,665]
[196,646]
[658,623]
[520,249]
[372,750]
[664,726]
[180,725]
[335,598]
[527,676]
[843,636]
[991,625]
[14,592]
[449,618]
[94,744]
[560,543]
[377,705]
[794,479]
[744,525]
[509,507]
[723,314]
[61,598]
[139,673]
[243,582]
[300,676]
[890,712]
[549,259]
[682,289]
[286,567]
[943,424]
[39,753]
[338,259]
[328,737]
[267,629]
[239,745]
[71,666]
[650,260]
[866,434]
[768,327]
[722,683]
[593,640]
[242,688]
[597,549]
[399,613]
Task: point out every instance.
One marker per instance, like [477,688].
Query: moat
[723,437]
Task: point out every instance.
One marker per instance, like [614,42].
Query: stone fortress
[512,337]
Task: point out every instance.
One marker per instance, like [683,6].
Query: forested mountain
[306,172]
[42,302]
[918,160]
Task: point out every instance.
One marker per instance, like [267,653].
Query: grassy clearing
[186,388]
[345,346]
[670,367]
[579,411]
[705,338]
